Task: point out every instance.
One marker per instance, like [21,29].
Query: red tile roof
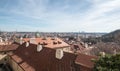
[30,60]
[77,48]
[85,60]
[27,67]
[10,47]
[50,43]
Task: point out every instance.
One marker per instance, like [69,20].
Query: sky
[60,15]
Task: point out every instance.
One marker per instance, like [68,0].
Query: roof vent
[59,53]
[27,44]
[39,47]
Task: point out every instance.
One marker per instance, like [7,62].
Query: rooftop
[10,47]
[48,42]
[31,60]
[85,60]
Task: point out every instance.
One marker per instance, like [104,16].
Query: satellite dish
[39,48]
[59,53]
[27,44]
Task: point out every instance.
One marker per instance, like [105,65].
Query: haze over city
[60,15]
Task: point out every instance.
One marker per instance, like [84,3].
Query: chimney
[21,41]
[1,39]
[39,47]
[27,44]
[59,54]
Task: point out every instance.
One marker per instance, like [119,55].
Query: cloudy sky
[60,15]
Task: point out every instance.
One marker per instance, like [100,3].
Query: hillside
[112,37]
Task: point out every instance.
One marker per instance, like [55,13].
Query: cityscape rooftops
[10,47]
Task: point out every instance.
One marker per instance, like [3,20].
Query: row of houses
[44,54]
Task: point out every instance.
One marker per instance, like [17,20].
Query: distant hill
[112,37]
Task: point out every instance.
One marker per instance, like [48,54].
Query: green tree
[108,63]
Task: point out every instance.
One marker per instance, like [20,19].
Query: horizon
[53,32]
[60,15]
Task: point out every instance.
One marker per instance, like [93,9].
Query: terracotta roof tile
[41,61]
[18,59]
[27,67]
[49,42]
[10,47]
[85,60]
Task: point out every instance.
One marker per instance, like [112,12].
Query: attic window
[59,42]
[4,52]
[44,38]
[39,43]
[53,38]
[76,47]
[44,43]
[54,42]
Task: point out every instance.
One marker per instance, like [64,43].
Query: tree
[108,63]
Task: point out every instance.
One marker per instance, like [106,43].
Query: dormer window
[54,42]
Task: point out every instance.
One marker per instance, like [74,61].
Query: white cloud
[94,19]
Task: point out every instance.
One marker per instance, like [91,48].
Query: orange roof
[49,42]
[10,47]
[31,60]
[85,60]
[27,67]
[22,64]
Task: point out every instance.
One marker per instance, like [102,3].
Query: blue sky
[60,15]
